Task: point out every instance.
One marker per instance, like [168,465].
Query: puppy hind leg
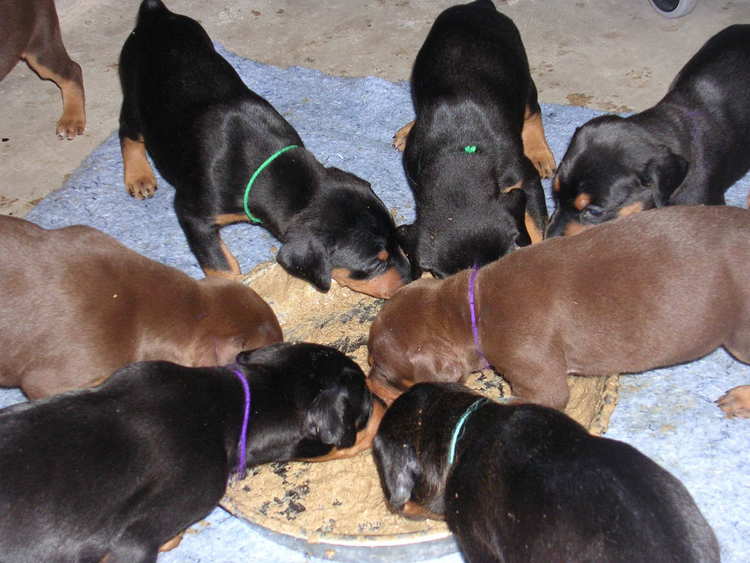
[540,384]
[535,145]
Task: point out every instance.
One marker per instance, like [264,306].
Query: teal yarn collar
[458,429]
[257,172]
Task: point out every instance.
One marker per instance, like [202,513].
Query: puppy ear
[515,202]
[305,256]
[398,468]
[664,173]
[331,419]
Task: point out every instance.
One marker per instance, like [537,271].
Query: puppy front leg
[736,402]
[399,139]
[202,234]
[535,145]
[536,209]
[47,56]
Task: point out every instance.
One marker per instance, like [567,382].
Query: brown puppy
[30,31]
[76,305]
[650,290]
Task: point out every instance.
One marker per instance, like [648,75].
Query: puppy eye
[592,211]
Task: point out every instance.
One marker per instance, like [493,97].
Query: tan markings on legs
[535,145]
[364,436]
[72,122]
[174,542]
[636,207]
[233,264]
[582,201]
[399,139]
[535,233]
[386,392]
[736,402]
[417,512]
[229,218]
[139,178]
[382,286]
[234,272]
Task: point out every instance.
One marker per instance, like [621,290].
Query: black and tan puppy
[471,153]
[114,472]
[77,305]
[529,484]
[687,149]
[30,31]
[655,289]
[232,157]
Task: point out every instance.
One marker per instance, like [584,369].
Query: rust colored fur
[77,305]
[654,289]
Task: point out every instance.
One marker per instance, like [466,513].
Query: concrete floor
[617,55]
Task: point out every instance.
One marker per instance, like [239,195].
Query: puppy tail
[151,6]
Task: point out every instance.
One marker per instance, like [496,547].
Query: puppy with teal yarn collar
[520,482]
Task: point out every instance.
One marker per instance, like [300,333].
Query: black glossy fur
[687,149]
[529,484]
[470,86]
[120,469]
[207,133]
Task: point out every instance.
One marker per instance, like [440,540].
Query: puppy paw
[736,402]
[544,162]
[71,125]
[141,186]
[399,139]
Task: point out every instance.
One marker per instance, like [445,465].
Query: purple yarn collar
[242,441]
[475,316]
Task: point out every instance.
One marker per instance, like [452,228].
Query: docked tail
[149,7]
